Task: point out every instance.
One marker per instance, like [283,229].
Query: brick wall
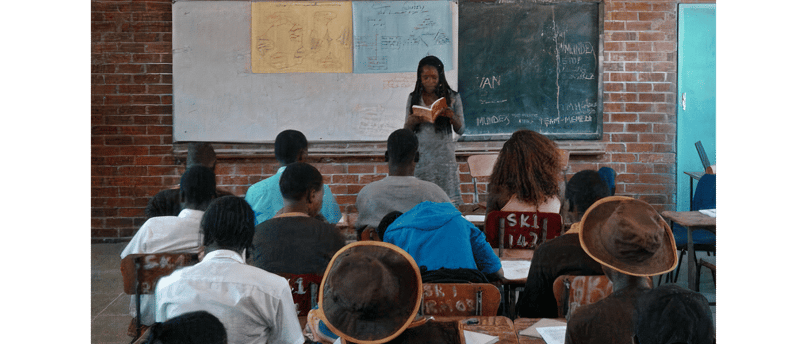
[131,115]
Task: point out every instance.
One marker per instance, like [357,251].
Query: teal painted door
[696,93]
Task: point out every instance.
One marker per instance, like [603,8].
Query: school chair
[520,230]
[140,273]
[480,166]
[460,299]
[305,290]
[573,291]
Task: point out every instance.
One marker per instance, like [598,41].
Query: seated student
[526,174]
[254,305]
[562,255]
[174,233]
[167,202]
[265,197]
[189,328]
[294,241]
[384,224]
[632,242]
[400,190]
[437,236]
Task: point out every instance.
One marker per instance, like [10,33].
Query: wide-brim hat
[629,236]
[370,292]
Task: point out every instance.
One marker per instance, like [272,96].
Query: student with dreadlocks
[254,305]
[438,162]
[526,174]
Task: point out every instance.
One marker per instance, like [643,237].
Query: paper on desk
[532,332]
[475,218]
[709,212]
[479,338]
[553,334]
[516,269]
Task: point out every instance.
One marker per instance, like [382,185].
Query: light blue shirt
[265,199]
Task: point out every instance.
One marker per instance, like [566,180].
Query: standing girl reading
[437,160]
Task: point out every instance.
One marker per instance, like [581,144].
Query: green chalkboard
[531,66]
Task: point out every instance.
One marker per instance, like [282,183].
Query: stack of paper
[709,212]
[553,334]
[479,338]
[516,269]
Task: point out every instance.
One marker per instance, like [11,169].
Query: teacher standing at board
[437,161]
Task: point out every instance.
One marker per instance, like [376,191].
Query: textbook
[430,113]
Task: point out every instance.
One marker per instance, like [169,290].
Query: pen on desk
[471,321]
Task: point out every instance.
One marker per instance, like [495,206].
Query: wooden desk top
[520,324]
[692,219]
[498,326]
[515,253]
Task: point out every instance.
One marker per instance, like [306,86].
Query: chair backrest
[705,194]
[521,229]
[142,271]
[572,292]
[460,299]
[702,155]
[564,155]
[305,290]
[481,165]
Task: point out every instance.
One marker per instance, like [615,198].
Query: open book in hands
[430,113]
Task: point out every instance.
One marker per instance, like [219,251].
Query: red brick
[653,16]
[617,157]
[628,77]
[346,179]
[652,77]
[622,36]
[166,79]
[616,137]
[657,157]
[652,117]
[130,68]
[624,117]
[623,56]
[146,99]
[621,97]
[158,47]
[622,16]
[639,46]
[667,66]
[638,25]
[345,199]
[160,89]
[638,66]
[614,107]
[638,127]
[613,66]
[663,87]
[613,87]
[159,68]
[118,79]
[639,168]
[361,169]
[146,58]
[639,147]
[614,46]
[614,26]
[652,97]
[99,68]
[132,89]
[354,189]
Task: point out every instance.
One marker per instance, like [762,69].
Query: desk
[691,220]
[521,324]
[693,175]
[499,326]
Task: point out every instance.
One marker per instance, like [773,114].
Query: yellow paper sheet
[301,37]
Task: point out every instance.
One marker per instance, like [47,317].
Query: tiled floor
[109,305]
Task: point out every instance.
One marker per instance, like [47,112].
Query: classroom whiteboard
[217,97]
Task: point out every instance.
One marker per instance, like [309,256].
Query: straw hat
[629,236]
[370,292]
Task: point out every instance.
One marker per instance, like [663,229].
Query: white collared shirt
[254,305]
[162,234]
[167,234]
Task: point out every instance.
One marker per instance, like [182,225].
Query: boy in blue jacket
[437,236]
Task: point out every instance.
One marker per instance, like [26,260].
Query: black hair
[401,146]
[584,188]
[200,153]
[441,124]
[228,223]
[288,145]
[386,221]
[198,186]
[299,178]
[198,327]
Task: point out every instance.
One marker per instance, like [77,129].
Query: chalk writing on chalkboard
[533,66]
[393,36]
[289,37]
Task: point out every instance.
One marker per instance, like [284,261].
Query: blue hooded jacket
[437,236]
